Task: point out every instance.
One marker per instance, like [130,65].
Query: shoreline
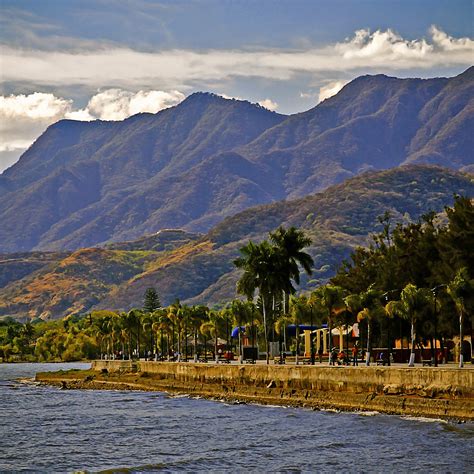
[443,394]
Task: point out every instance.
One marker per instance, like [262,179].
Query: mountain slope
[337,220]
[77,171]
[199,269]
[208,158]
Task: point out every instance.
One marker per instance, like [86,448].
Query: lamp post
[435,294]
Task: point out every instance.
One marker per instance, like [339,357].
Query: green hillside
[199,269]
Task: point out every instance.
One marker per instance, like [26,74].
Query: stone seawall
[434,392]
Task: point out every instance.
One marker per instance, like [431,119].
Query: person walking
[355,353]
[320,354]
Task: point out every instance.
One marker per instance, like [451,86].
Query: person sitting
[381,359]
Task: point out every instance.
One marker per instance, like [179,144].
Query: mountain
[193,165]
[199,269]
[100,179]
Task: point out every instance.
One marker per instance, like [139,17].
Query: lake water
[44,429]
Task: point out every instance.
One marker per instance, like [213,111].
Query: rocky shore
[429,392]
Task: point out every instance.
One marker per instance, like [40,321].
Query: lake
[44,429]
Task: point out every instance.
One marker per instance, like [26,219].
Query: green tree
[371,309]
[151,300]
[414,302]
[461,290]
[331,298]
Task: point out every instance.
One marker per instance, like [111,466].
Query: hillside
[39,284]
[200,270]
[193,165]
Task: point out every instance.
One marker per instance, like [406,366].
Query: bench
[381,362]
[428,362]
[249,361]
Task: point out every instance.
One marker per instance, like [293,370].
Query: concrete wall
[431,382]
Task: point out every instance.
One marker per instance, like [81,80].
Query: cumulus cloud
[268,104]
[330,89]
[117,104]
[125,67]
[24,117]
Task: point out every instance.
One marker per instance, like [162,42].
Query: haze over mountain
[190,166]
[198,268]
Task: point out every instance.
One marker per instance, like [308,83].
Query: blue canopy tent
[291,328]
[235,332]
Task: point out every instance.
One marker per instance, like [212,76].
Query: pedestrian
[355,353]
[320,354]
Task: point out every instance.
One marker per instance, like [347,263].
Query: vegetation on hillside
[414,282]
[198,269]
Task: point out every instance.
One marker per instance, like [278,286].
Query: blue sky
[107,59]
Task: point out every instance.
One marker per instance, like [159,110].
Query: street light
[435,294]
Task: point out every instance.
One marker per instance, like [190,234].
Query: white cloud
[24,117]
[117,104]
[331,89]
[127,68]
[268,104]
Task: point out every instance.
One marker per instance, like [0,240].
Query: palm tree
[215,318]
[298,311]
[289,246]
[280,327]
[461,291]
[331,299]
[241,314]
[175,318]
[199,314]
[207,329]
[261,271]
[371,308]
[413,303]
[147,323]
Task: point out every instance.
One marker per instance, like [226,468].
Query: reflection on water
[47,429]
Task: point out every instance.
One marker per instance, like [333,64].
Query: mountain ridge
[195,164]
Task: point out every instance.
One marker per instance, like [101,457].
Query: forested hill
[198,269]
[191,166]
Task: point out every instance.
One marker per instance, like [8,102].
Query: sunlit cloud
[124,67]
[330,89]
[24,117]
[268,104]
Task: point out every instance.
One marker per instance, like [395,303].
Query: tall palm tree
[461,290]
[261,271]
[371,308]
[289,245]
[413,303]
